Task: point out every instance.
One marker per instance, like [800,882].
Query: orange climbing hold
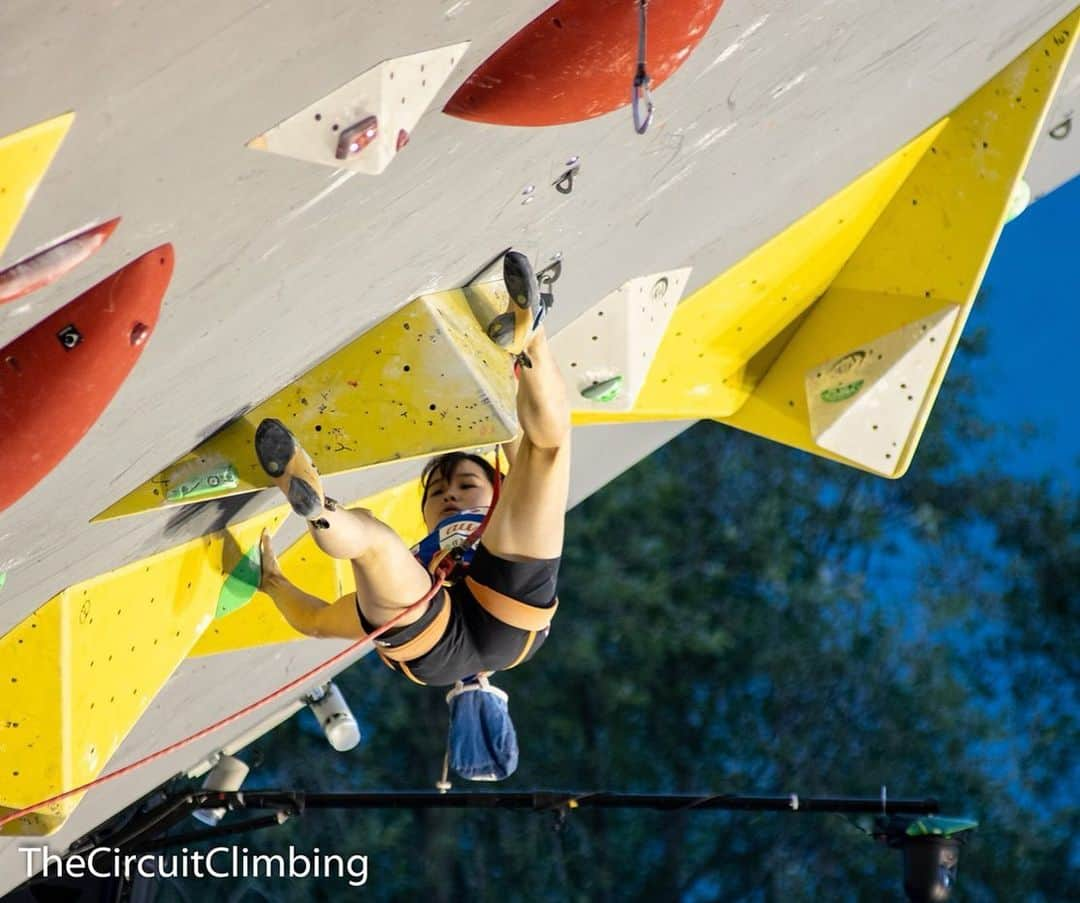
[57,378]
[577,60]
[45,267]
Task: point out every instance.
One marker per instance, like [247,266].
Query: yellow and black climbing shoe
[283,459]
[521,281]
[513,329]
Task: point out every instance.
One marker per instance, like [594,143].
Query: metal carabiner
[639,91]
[641,77]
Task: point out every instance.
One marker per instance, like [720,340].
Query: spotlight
[227,774]
[249,736]
[930,847]
[334,716]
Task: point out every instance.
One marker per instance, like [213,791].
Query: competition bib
[450,533]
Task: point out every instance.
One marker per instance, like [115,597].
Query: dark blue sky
[1032,371]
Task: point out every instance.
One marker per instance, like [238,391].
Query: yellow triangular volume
[24,158]
[423,381]
[930,247]
[705,365]
[85,666]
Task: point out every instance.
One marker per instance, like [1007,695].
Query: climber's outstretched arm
[307,614]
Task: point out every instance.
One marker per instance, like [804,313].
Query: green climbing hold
[221,476]
[3,578]
[605,390]
[241,584]
[841,393]
[939,825]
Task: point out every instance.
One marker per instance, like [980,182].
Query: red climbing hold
[578,59]
[57,378]
[44,267]
[356,137]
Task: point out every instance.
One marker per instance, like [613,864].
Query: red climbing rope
[438,576]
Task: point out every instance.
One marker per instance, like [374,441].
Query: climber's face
[467,487]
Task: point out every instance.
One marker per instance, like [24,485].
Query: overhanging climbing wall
[921,264]
[835,336]
[112,642]
[723,337]
[81,670]
[256,232]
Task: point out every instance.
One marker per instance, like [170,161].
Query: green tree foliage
[741,617]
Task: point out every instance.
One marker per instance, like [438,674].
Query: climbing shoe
[513,329]
[292,470]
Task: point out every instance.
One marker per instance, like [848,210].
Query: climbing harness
[446,554]
[640,91]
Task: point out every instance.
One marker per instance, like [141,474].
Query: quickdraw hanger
[640,91]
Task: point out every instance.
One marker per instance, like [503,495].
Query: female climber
[498,614]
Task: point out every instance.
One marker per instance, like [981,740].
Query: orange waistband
[511,611]
[424,641]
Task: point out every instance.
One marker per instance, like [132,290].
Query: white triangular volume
[865,404]
[605,354]
[395,92]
